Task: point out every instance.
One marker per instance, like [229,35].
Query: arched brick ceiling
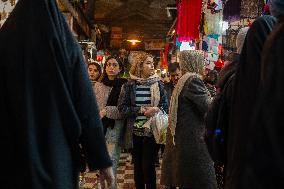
[147,18]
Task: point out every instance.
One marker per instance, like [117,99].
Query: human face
[94,73]
[174,77]
[148,67]
[112,69]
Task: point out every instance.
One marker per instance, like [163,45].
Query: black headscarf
[46,101]
[112,100]
[246,88]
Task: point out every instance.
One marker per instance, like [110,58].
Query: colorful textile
[213,21]
[188,19]
[251,8]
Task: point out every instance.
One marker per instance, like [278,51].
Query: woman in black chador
[245,90]
[47,106]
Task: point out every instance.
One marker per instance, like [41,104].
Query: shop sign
[116,33]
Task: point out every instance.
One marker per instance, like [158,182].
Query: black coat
[246,88]
[267,154]
[47,106]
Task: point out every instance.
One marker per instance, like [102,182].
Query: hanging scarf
[188,10]
[148,81]
[174,100]
[112,100]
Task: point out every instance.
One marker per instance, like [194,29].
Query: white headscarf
[192,64]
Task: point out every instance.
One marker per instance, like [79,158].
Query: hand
[103,113]
[107,176]
[150,111]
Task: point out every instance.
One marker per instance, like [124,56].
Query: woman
[186,162]
[46,101]
[245,91]
[266,160]
[107,93]
[95,71]
[143,96]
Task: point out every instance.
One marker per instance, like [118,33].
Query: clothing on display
[251,8]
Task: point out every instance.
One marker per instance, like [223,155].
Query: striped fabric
[143,98]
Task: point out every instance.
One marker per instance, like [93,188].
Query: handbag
[159,126]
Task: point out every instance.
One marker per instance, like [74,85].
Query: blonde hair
[137,61]
[192,61]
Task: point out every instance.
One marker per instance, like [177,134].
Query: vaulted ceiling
[146,18]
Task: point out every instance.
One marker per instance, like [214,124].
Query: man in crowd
[175,74]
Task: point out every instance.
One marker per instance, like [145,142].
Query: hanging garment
[251,8]
[188,19]
[232,10]
[213,21]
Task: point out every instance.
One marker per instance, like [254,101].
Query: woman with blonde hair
[142,97]
[186,161]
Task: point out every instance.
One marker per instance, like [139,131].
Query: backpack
[217,122]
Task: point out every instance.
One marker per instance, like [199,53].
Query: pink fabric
[188,19]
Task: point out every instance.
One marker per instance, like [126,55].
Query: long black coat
[246,88]
[47,106]
[266,165]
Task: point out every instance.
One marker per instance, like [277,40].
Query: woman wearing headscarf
[46,102]
[107,94]
[186,161]
[143,97]
[218,113]
[246,88]
[267,144]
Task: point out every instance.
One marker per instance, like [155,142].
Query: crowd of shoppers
[58,118]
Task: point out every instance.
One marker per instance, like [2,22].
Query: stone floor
[125,175]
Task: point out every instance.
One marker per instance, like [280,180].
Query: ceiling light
[134,41]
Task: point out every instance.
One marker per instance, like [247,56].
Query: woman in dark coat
[186,161]
[266,154]
[46,102]
[246,88]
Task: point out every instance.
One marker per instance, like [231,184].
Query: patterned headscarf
[192,61]
[192,66]
[277,8]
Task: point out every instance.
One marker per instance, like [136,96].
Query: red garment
[188,19]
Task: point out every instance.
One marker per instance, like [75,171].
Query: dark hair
[121,67]
[173,67]
[99,68]
[213,76]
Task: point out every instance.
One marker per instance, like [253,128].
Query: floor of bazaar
[125,174]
